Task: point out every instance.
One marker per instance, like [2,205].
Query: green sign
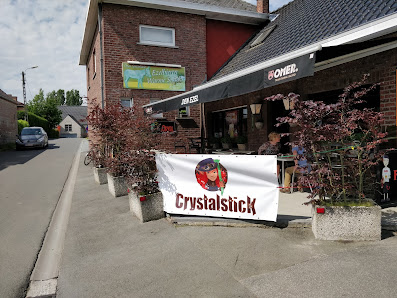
[153,77]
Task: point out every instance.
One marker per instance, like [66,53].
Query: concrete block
[100,175]
[347,223]
[151,208]
[117,186]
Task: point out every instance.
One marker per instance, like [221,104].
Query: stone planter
[117,186]
[242,147]
[100,175]
[147,209]
[347,223]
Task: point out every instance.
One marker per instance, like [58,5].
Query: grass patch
[7,147]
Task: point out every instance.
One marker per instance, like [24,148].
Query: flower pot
[117,186]
[148,207]
[100,175]
[242,147]
[347,223]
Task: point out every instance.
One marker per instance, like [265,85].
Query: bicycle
[88,157]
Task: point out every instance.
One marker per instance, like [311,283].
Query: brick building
[140,52]
[340,41]
[8,118]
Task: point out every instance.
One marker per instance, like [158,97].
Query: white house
[74,122]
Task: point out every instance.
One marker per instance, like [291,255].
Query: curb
[285,222]
[282,223]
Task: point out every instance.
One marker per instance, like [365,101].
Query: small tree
[73,98]
[337,174]
[128,144]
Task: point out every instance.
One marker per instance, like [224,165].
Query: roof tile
[304,22]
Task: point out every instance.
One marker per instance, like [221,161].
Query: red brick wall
[8,121]
[120,38]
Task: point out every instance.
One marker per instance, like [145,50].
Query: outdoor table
[283,159]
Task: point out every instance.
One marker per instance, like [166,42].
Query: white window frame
[259,40]
[131,100]
[154,43]
[66,127]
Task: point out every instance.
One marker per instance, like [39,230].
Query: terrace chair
[180,144]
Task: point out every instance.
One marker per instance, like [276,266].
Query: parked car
[32,137]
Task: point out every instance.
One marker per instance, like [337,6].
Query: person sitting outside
[272,147]
[301,166]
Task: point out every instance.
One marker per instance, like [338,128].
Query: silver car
[32,137]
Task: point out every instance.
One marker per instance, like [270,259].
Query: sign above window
[157,36]
[153,77]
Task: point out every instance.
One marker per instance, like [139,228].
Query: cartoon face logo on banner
[211,175]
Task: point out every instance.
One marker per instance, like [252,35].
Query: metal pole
[24,92]
[24,97]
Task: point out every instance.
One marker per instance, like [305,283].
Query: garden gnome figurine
[386,173]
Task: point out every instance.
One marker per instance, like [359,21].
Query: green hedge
[22,124]
[53,134]
[35,120]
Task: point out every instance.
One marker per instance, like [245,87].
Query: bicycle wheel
[87,159]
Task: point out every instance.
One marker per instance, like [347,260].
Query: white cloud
[46,33]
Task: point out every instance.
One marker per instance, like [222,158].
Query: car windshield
[31,131]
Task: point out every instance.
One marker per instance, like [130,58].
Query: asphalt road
[31,182]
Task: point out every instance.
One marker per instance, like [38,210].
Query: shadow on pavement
[12,158]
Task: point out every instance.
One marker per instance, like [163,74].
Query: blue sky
[46,33]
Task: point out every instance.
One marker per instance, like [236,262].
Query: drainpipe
[101,49]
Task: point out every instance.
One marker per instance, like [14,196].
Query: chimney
[262,6]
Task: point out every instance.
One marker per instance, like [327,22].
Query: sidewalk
[109,253]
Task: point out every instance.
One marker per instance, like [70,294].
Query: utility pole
[24,92]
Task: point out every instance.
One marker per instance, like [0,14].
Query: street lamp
[24,91]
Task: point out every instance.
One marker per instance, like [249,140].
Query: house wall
[8,121]
[77,130]
[223,40]
[381,67]
[120,44]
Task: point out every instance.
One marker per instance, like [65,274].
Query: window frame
[68,125]
[154,43]
[131,100]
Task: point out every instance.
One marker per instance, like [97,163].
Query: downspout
[101,49]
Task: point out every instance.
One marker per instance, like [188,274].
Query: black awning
[286,71]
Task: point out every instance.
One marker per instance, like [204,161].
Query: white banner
[234,186]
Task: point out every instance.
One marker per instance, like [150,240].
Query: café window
[231,122]
[184,112]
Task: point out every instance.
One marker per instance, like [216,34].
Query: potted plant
[343,205]
[242,143]
[110,127]
[145,199]
[226,141]
[98,159]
